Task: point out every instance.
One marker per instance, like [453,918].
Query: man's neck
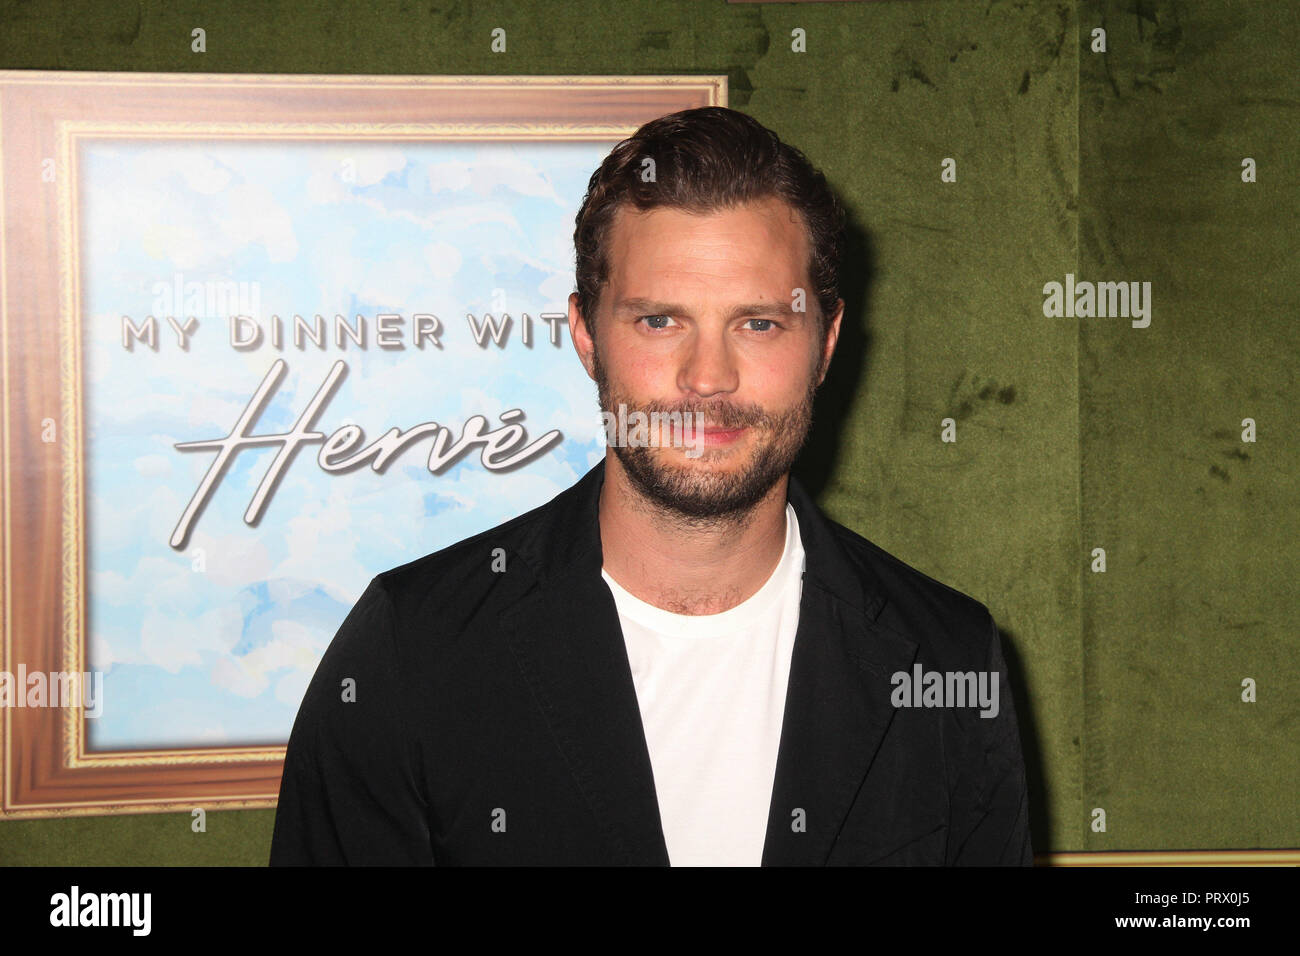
[684,566]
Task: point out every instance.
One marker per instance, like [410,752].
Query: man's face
[698,317]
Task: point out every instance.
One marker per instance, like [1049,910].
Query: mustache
[717,416]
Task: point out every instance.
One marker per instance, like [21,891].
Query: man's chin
[712,485]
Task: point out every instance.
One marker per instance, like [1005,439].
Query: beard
[708,491]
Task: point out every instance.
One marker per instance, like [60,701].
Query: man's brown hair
[707,159]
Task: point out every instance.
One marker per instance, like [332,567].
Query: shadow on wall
[849,365]
[1040,809]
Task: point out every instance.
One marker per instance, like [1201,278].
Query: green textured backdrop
[1072,434]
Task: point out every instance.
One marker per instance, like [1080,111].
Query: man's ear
[583,342]
[832,338]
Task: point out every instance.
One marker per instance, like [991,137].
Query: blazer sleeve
[350,794]
[990,822]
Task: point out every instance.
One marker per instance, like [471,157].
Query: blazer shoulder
[463,579]
[937,616]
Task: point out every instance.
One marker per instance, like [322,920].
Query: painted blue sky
[223,656]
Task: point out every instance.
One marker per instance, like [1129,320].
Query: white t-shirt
[711,689]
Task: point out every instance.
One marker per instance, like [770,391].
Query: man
[678,660]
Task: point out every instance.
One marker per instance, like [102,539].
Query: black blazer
[495,720]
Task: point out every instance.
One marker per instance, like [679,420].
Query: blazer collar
[566,636]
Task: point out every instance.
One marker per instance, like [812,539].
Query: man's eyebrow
[650,307]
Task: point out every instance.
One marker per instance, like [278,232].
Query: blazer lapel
[836,714]
[837,707]
[568,641]
[569,644]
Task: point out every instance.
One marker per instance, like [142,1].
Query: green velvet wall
[1073,434]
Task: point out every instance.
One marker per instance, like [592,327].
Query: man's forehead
[769,268]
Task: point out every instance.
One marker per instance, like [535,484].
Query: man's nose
[710,366]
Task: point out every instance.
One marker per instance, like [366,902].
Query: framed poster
[263,338]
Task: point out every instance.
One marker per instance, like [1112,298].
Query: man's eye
[651,319]
[768,321]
